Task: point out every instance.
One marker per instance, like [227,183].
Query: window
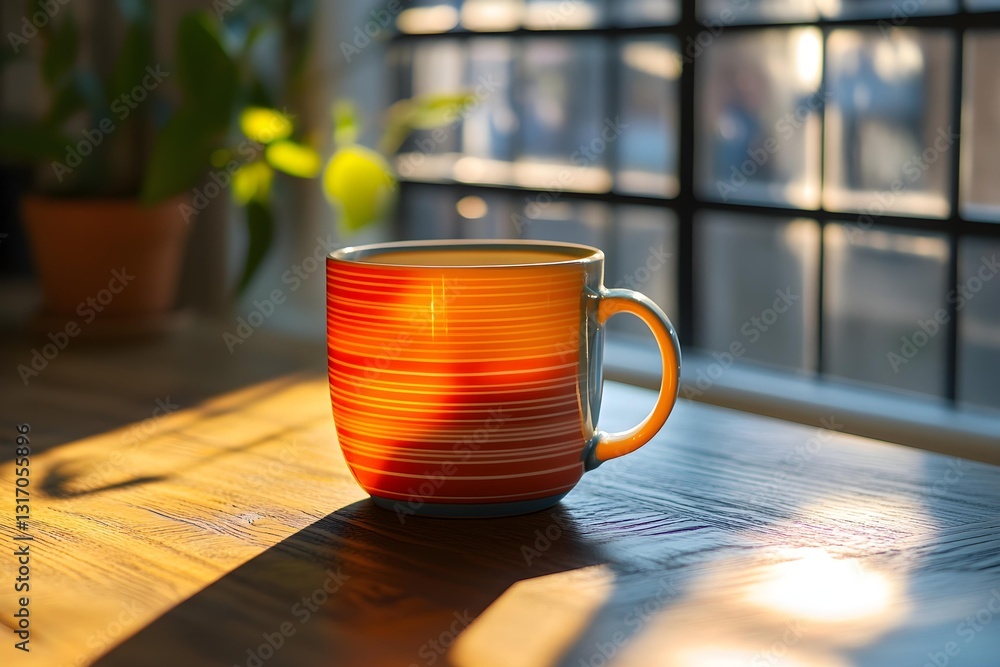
[816,180]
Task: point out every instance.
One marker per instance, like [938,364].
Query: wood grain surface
[229,532]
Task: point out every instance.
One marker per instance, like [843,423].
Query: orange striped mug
[466,375]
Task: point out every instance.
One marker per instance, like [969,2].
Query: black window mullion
[685,203]
[821,263]
[612,108]
[955,231]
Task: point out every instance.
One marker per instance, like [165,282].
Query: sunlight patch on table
[148,516]
[533,621]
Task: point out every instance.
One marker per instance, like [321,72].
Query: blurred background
[807,187]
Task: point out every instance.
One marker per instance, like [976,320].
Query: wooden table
[229,532]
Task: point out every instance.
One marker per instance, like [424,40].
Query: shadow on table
[92,387]
[357,588]
[707,545]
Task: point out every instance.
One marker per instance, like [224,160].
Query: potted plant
[116,164]
[91,237]
[118,167]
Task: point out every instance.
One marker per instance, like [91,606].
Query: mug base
[471,510]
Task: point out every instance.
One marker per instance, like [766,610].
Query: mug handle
[607,446]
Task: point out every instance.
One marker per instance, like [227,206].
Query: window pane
[978,301]
[896,10]
[756,287]
[492,14]
[562,101]
[644,259]
[981,145]
[756,11]
[758,126]
[490,125]
[982,5]
[485,216]
[571,221]
[879,287]
[888,124]
[563,14]
[428,212]
[647,148]
[428,16]
[429,68]
[728,12]
[645,12]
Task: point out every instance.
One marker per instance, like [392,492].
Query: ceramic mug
[466,375]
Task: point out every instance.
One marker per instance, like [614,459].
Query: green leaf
[60,50]
[181,155]
[260,229]
[345,123]
[207,74]
[30,142]
[293,158]
[430,111]
[421,113]
[265,125]
[136,54]
[252,181]
[360,181]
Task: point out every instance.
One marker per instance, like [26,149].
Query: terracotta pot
[113,257]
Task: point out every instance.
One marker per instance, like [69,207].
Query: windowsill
[925,423]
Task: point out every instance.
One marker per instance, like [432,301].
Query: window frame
[686,205]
